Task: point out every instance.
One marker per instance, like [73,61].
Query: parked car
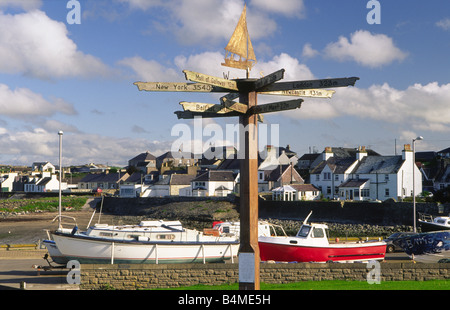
[390,246]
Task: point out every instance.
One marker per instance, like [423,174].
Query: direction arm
[204,107]
[311,93]
[311,84]
[191,114]
[210,80]
[235,106]
[179,87]
[269,79]
[276,106]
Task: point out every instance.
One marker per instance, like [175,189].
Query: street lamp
[414,181]
[60,134]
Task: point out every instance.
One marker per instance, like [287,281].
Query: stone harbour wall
[131,277]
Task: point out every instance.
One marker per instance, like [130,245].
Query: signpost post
[248,111]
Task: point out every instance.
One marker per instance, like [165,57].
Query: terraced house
[365,177]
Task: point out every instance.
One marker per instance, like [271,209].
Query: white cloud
[22,4]
[421,107]
[23,103]
[294,69]
[288,8]
[142,4]
[150,70]
[33,44]
[210,63]
[205,22]
[309,52]
[211,22]
[367,49]
[26,146]
[444,24]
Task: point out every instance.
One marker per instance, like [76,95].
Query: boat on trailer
[429,223]
[428,247]
[311,244]
[150,242]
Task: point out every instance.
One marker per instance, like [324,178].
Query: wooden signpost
[249,113]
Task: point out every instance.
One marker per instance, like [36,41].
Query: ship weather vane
[240,45]
[240,100]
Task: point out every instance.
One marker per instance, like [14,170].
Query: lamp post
[60,134]
[414,180]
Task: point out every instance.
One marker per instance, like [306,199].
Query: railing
[155,249]
[9,247]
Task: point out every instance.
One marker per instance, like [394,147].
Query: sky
[78,77]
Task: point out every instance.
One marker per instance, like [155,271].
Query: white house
[442,179]
[45,182]
[306,191]
[43,166]
[331,172]
[294,192]
[7,180]
[214,183]
[270,159]
[368,177]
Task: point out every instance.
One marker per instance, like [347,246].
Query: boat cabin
[314,232]
[234,228]
[442,220]
[146,230]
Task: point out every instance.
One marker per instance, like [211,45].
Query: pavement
[18,271]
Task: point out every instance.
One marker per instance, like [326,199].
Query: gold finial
[240,45]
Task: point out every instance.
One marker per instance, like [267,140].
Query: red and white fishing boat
[311,245]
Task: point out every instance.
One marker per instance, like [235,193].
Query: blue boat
[429,247]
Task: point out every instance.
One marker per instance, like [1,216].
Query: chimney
[271,151]
[327,153]
[407,152]
[361,153]
[230,152]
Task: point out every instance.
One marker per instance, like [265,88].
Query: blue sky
[79,77]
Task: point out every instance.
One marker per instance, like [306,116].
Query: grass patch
[334,285]
[42,204]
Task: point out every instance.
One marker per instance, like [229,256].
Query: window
[336,177]
[365,192]
[327,175]
[317,177]
[165,237]
[318,233]
[133,236]
[386,192]
[200,184]
[386,177]
[105,234]
[328,190]
[304,231]
[261,176]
